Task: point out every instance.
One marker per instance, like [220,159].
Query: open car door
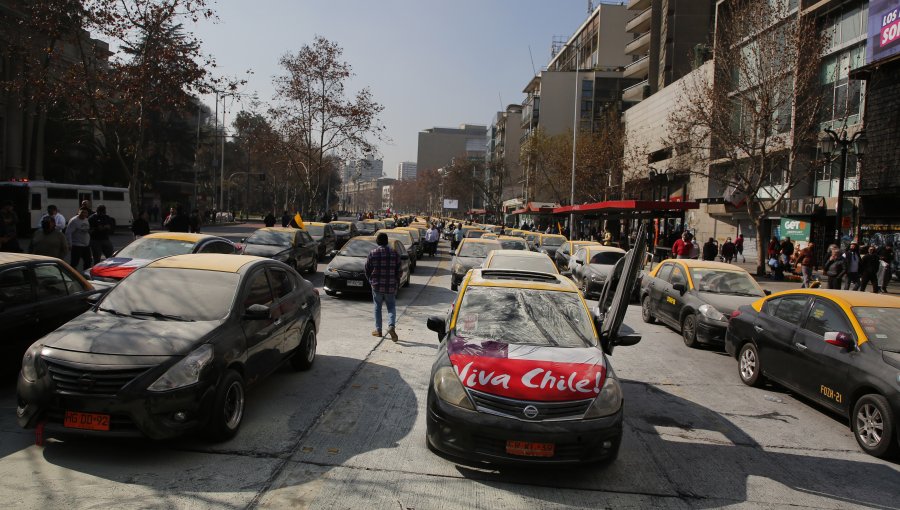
[616,294]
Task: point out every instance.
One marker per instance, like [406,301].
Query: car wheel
[228,407]
[646,314]
[406,283]
[689,330]
[305,354]
[750,366]
[873,425]
[453,285]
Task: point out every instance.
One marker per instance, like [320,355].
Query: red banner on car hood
[528,372]
[118,268]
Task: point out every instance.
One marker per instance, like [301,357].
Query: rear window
[343,227]
[271,238]
[357,248]
[552,241]
[881,325]
[512,244]
[608,258]
[315,230]
[477,249]
[150,248]
[539,264]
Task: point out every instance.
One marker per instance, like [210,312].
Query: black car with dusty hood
[170,350]
[522,374]
[294,247]
[470,253]
[346,273]
[590,267]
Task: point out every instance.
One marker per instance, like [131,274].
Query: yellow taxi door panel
[671,299]
[775,329]
[822,369]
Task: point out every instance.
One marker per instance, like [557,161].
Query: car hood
[101,333]
[117,267]
[469,262]
[263,250]
[344,263]
[726,303]
[528,372]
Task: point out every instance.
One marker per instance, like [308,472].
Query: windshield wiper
[114,312]
[158,315]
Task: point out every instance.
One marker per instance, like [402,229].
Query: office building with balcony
[438,146]
[667,40]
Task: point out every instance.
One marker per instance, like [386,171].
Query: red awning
[536,208]
[626,206]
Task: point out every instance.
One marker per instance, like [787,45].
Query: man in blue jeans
[383,272]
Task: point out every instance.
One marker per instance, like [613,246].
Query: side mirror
[680,288]
[332,253]
[438,325]
[767,292]
[257,312]
[567,273]
[93,298]
[840,339]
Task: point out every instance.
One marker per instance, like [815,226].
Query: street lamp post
[827,143]
[575,119]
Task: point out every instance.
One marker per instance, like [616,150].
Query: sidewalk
[793,281]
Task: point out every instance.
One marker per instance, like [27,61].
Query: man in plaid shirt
[383,272]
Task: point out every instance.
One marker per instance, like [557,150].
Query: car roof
[600,248]
[343,222]
[395,231]
[9,258]
[511,278]
[511,238]
[471,240]
[706,264]
[316,223]
[280,229]
[207,261]
[363,238]
[179,236]
[520,254]
[554,235]
[846,298]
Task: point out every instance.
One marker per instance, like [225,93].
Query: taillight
[734,314]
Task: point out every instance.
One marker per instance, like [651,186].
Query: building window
[842,96]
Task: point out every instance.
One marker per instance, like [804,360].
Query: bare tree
[317,119]
[750,124]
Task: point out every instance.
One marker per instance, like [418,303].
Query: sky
[430,63]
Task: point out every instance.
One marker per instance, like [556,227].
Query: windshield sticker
[529,379]
[671,300]
[819,313]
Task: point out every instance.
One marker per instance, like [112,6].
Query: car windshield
[270,238]
[882,326]
[343,227]
[154,248]
[474,234]
[188,294]
[606,258]
[524,316]
[404,238]
[539,264]
[315,230]
[720,281]
[480,250]
[357,248]
[552,241]
[531,237]
[368,228]
[512,244]
[414,234]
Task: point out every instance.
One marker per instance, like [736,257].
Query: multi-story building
[406,171]
[503,152]
[438,146]
[667,40]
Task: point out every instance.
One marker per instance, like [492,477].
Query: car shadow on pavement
[335,431]
[675,448]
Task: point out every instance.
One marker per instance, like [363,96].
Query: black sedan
[470,253]
[696,297]
[343,231]
[292,246]
[170,349]
[840,349]
[346,273]
[323,234]
[37,295]
[591,265]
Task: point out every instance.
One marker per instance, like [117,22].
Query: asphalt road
[350,433]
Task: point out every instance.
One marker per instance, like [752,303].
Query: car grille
[351,274]
[547,411]
[79,381]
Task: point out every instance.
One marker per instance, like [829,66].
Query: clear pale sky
[429,62]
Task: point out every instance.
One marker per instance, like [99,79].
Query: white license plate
[354,283]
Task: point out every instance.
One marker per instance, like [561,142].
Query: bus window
[96,194]
[117,196]
[61,193]
[36,202]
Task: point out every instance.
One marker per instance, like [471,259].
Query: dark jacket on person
[729,250]
[102,225]
[269,220]
[835,268]
[140,227]
[868,264]
[178,223]
[710,250]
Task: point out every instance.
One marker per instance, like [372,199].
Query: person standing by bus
[53,212]
[9,237]
[78,233]
[141,226]
[102,225]
[49,241]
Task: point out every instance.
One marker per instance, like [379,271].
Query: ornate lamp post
[827,143]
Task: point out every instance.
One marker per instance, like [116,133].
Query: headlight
[185,372]
[711,313]
[449,388]
[32,366]
[609,401]
[331,270]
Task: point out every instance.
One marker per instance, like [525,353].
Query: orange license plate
[87,421]
[527,449]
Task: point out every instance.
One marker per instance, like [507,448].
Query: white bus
[31,198]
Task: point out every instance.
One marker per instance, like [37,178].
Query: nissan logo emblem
[86,382]
[530,411]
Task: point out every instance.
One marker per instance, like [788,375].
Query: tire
[750,366]
[689,331]
[408,278]
[305,355]
[646,314]
[453,285]
[873,426]
[228,407]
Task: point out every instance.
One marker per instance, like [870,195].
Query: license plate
[87,421]
[527,449]
[354,283]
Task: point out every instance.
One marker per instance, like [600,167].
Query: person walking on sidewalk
[851,257]
[868,270]
[78,233]
[807,260]
[835,269]
[729,250]
[739,246]
[383,273]
[710,249]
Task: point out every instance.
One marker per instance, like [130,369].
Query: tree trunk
[761,249]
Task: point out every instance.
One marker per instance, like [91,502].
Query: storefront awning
[627,206]
[536,208]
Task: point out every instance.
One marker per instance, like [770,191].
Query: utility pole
[222,162]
